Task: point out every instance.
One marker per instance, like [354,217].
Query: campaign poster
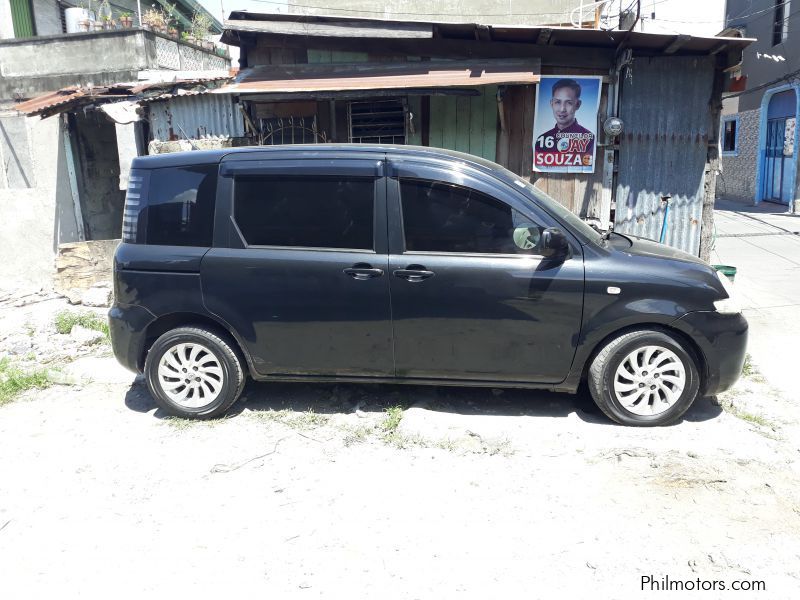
[565,124]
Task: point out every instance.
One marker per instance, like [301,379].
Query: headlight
[729,305]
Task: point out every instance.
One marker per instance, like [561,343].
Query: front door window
[444,217]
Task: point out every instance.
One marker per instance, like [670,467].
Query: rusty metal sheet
[663,150]
[195,116]
[378,76]
[67,98]
[50,100]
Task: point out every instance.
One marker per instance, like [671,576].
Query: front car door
[471,297]
[299,264]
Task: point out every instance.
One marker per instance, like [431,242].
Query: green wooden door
[22,18]
[466,123]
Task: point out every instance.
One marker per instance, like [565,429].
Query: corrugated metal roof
[555,35]
[377,76]
[68,98]
[195,116]
[64,99]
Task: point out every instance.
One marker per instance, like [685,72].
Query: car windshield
[560,211]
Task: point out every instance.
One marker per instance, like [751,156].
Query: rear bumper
[127,325]
[722,338]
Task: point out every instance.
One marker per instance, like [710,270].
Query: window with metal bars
[377,121]
[62,16]
[730,141]
[780,23]
[291,130]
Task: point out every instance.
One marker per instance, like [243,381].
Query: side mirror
[554,243]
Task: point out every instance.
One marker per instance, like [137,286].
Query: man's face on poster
[564,104]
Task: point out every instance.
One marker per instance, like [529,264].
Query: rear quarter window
[179,206]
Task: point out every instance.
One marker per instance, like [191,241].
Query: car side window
[307,211]
[180,206]
[443,217]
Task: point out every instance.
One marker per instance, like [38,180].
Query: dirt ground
[330,491]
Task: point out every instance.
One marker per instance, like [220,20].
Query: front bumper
[127,326]
[722,338]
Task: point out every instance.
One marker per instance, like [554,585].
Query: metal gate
[775,163]
[776,177]
[664,148]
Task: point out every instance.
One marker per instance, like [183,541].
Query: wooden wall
[581,193]
[514,142]
[465,123]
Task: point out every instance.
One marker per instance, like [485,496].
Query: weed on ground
[67,319]
[14,381]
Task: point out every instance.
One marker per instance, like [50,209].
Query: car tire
[193,373]
[644,378]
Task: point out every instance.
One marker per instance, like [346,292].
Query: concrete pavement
[763,243]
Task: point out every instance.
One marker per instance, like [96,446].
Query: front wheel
[193,373]
[644,378]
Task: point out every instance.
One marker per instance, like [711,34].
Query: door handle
[362,272]
[414,273]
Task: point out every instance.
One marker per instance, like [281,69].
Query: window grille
[291,130]
[780,24]
[377,121]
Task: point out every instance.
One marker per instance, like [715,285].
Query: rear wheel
[193,373]
[644,378]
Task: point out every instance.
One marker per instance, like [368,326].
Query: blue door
[776,188]
[779,150]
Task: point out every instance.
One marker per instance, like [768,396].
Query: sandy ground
[313,491]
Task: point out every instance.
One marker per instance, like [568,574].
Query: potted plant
[170,19]
[126,19]
[80,18]
[154,20]
[201,27]
[104,18]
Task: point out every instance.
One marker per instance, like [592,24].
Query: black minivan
[402,264]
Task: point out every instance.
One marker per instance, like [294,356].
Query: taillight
[133,204]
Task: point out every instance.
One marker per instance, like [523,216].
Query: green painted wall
[466,123]
[415,108]
[22,18]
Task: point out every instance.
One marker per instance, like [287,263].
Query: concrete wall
[36,213]
[738,176]
[29,67]
[510,12]
[6,25]
[758,68]
[705,18]
[33,66]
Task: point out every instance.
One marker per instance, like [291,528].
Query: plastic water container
[73,16]
[727,270]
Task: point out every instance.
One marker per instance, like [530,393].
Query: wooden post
[712,162]
[69,157]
